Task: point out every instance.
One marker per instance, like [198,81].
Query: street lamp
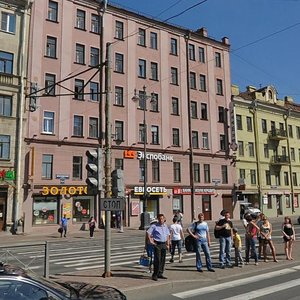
[145,216]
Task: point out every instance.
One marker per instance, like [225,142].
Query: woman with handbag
[92,226]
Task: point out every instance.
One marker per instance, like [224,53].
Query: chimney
[235,90]
[225,40]
[288,99]
[202,31]
[251,88]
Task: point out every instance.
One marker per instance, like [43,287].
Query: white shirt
[175,231]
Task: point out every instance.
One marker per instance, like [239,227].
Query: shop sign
[67,210]
[62,176]
[135,208]
[64,190]
[152,190]
[131,154]
[198,191]
[7,174]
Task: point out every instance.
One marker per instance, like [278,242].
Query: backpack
[217,233]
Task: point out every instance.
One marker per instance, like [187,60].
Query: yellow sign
[64,190]
[67,210]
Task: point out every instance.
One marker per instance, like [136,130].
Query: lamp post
[145,216]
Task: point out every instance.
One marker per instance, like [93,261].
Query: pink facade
[63,127]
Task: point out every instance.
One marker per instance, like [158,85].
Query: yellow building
[266,131]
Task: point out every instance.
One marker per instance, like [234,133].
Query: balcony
[278,134]
[9,80]
[280,160]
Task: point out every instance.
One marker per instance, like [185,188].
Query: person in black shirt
[224,227]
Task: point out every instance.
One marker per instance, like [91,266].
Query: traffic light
[117,182]
[94,168]
[33,97]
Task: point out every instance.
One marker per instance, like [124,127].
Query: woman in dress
[289,237]
[92,226]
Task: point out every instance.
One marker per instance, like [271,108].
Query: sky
[264,36]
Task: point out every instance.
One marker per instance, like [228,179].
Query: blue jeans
[225,248]
[250,244]
[202,243]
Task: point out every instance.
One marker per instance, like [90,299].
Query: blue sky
[264,36]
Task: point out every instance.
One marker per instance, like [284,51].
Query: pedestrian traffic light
[94,168]
[33,97]
[117,182]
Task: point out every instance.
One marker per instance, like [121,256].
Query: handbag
[190,243]
[144,260]
[60,230]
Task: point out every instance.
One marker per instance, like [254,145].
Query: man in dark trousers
[159,236]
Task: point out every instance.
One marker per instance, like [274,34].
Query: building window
[5,105]
[195,140]
[176,171]
[80,19]
[286,178]
[142,68]
[221,111]
[4,146]
[202,83]
[142,100]
[191,52]
[50,84]
[153,40]
[95,24]
[249,123]
[6,62]
[155,134]
[253,176]
[80,54]
[219,87]
[51,47]
[206,168]
[295,181]
[298,132]
[119,63]
[93,127]
[119,131]
[218,62]
[154,71]
[224,174]
[293,156]
[239,124]
[155,171]
[79,89]
[251,149]
[94,59]
[154,102]
[196,168]
[173,49]
[47,208]
[52,11]
[205,141]
[142,37]
[264,126]
[268,177]
[8,22]
[175,135]
[48,122]
[118,96]
[141,133]
[290,129]
[194,113]
[203,111]
[277,179]
[222,142]
[241,148]
[201,54]
[142,169]
[175,106]
[174,76]
[78,126]
[119,163]
[242,174]
[283,151]
[192,80]
[273,126]
[119,33]
[77,168]
[94,91]
[47,166]
[266,150]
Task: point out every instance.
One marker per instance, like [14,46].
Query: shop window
[83,209]
[45,210]
[177,204]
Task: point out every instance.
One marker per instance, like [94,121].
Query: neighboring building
[14,30]
[267,133]
[186,127]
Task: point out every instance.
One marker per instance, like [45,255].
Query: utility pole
[107,238]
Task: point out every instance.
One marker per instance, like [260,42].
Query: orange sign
[129,154]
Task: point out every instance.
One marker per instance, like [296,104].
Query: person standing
[199,230]
[250,239]
[64,225]
[289,237]
[237,242]
[92,226]
[224,226]
[159,236]
[176,239]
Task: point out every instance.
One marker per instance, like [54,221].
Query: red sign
[198,191]
[83,211]
[135,208]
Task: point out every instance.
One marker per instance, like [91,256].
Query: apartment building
[14,30]
[188,75]
[267,134]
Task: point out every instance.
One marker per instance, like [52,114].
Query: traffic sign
[112,204]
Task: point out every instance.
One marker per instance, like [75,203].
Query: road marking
[232,284]
[266,291]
